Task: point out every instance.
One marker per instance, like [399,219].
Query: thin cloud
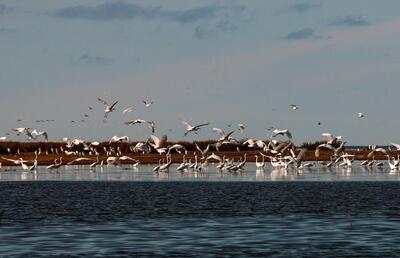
[128,11]
[306,33]
[301,8]
[94,59]
[4,9]
[349,20]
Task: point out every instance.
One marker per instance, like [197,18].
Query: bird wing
[327,146]
[200,125]
[214,156]
[155,139]
[111,107]
[186,124]
[220,131]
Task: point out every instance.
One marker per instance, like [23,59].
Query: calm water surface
[124,212]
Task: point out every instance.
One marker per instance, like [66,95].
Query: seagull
[147,103]
[294,107]
[241,128]
[191,128]
[108,108]
[136,121]
[127,110]
[360,115]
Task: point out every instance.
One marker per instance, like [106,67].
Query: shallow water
[120,212]
[250,173]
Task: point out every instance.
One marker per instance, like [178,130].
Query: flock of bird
[281,154]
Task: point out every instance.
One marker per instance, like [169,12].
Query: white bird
[178,148]
[223,136]
[127,110]
[147,103]
[282,132]
[331,138]
[108,108]
[260,165]
[203,152]
[77,160]
[191,128]
[38,133]
[360,115]
[294,107]
[158,142]
[241,128]
[116,138]
[136,121]
[55,165]
[152,126]
[3,138]
[23,130]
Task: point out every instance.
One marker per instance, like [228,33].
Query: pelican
[108,108]
[191,128]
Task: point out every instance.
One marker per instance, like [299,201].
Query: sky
[222,62]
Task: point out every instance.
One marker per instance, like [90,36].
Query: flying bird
[223,136]
[108,108]
[23,130]
[190,128]
[331,138]
[38,133]
[147,103]
[294,107]
[241,128]
[127,110]
[136,121]
[282,132]
[360,115]
[152,126]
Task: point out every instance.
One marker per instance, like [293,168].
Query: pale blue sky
[223,62]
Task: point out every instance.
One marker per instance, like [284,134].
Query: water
[120,212]
[145,173]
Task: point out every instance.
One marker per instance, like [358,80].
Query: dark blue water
[277,219]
